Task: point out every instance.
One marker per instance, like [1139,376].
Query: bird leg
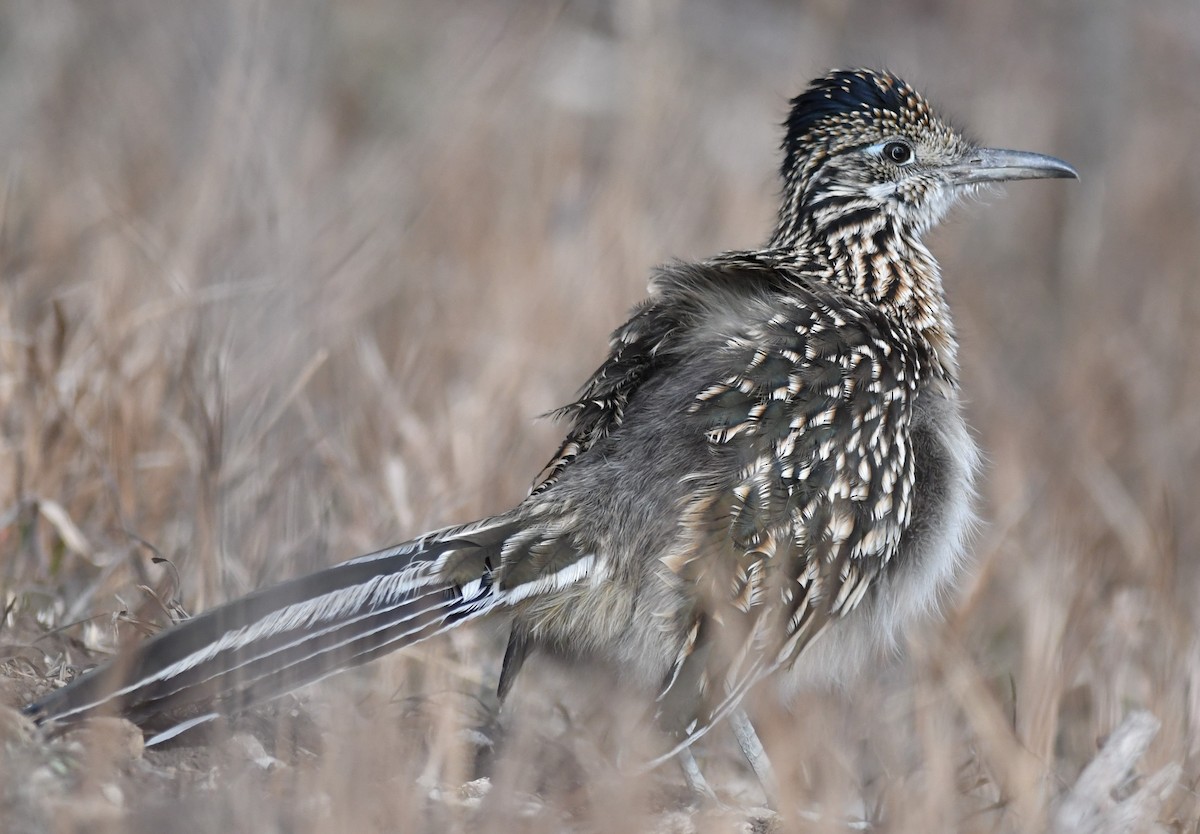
[696,782]
[756,755]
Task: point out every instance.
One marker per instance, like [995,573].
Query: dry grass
[281,283]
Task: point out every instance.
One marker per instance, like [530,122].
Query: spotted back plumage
[815,402]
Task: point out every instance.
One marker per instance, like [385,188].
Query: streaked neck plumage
[875,256]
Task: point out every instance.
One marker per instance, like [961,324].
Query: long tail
[275,640]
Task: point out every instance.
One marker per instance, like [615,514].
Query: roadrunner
[769,476]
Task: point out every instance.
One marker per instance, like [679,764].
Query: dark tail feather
[275,640]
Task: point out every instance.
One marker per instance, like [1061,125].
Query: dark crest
[841,93]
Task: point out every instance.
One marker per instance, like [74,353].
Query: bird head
[862,144]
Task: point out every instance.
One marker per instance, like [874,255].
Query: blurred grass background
[284,282]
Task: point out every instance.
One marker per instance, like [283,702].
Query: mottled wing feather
[634,350]
[813,406]
[544,552]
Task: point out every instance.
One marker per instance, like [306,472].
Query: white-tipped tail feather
[272,641]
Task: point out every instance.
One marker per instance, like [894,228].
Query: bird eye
[897,152]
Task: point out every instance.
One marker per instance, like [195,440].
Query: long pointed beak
[998,165]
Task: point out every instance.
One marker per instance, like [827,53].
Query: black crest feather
[840,93]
